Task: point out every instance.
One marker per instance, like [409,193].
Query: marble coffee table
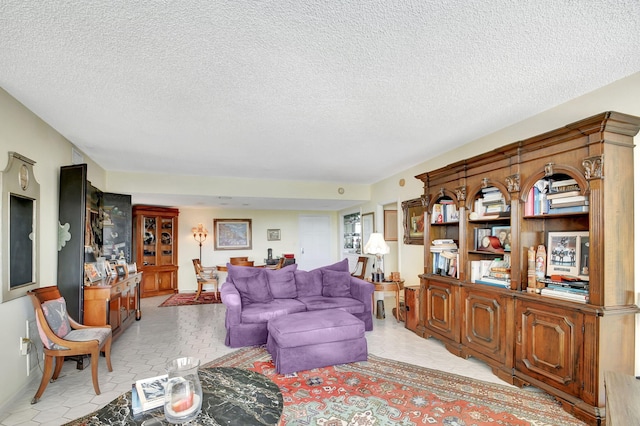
[230,396]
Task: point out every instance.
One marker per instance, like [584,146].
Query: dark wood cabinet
[525,335]
[155,233]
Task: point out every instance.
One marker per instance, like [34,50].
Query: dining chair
[205,275]
[361,267]
[62,336]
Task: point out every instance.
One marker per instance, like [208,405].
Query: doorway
[315,241]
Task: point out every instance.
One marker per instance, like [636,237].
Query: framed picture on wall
[391,225]
[232,234]
[413,212]
[273,235]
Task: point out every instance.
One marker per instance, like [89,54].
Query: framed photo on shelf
[413,212]
[121,270]
[91,272]
[568,254]
[232,234]
[390,225]
[273,235]
[504,235]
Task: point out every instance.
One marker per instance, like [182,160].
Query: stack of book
[491,204]
[566,292]
[565,197]
[495,272]
[445,257]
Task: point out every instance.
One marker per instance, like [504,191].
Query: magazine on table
[148,393]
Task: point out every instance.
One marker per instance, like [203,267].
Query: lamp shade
[376,245]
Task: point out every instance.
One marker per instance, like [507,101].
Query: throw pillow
[253,288]
[308,283]
[336,283]
[55,312]
[343,265]
[282,282]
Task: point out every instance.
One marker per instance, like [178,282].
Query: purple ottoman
[313,339]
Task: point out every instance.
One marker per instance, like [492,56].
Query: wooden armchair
[361,267]
[77,339]
[205,275]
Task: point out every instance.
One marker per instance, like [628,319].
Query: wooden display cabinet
[156,248]
[114,301]
[564,347]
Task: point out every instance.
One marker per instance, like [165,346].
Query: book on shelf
[437,215]
[150,392]
[563,194]
[569,204]
[562,183]
[488,280]
[565,200]
[576,297]
[568,289]
[572,209]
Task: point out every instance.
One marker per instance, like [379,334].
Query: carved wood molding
[593,167]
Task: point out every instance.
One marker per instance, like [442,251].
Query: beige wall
[25,133]
[261,220]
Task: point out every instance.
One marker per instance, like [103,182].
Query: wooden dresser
[115,301]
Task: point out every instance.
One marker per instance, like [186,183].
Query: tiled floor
[166,333]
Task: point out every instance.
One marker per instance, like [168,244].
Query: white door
[315,242]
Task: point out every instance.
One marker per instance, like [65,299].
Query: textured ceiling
[302,90]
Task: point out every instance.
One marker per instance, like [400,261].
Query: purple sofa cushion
[282,282]
[263,312]
[343,266]
[251,284]
[318,303]
[313,328]
[335,283]
[308,283]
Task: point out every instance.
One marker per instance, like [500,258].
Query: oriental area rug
[386,392]
[383,392]
[184,299]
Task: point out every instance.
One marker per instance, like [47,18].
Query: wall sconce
[200,234]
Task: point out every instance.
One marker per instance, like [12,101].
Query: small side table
[394,286]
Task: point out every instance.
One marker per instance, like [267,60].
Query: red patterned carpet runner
[385,392]
[184,299]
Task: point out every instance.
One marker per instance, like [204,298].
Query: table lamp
[378,247]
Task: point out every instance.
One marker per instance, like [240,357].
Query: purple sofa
[253,296]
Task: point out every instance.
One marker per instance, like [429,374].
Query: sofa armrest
[231,300]
[362,291]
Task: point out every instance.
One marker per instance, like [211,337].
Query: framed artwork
[91,272]
[121,270]
[391,225]
[368,227]
[232,234]
[413,211]
[504,236]
[568,254]
[273,235]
